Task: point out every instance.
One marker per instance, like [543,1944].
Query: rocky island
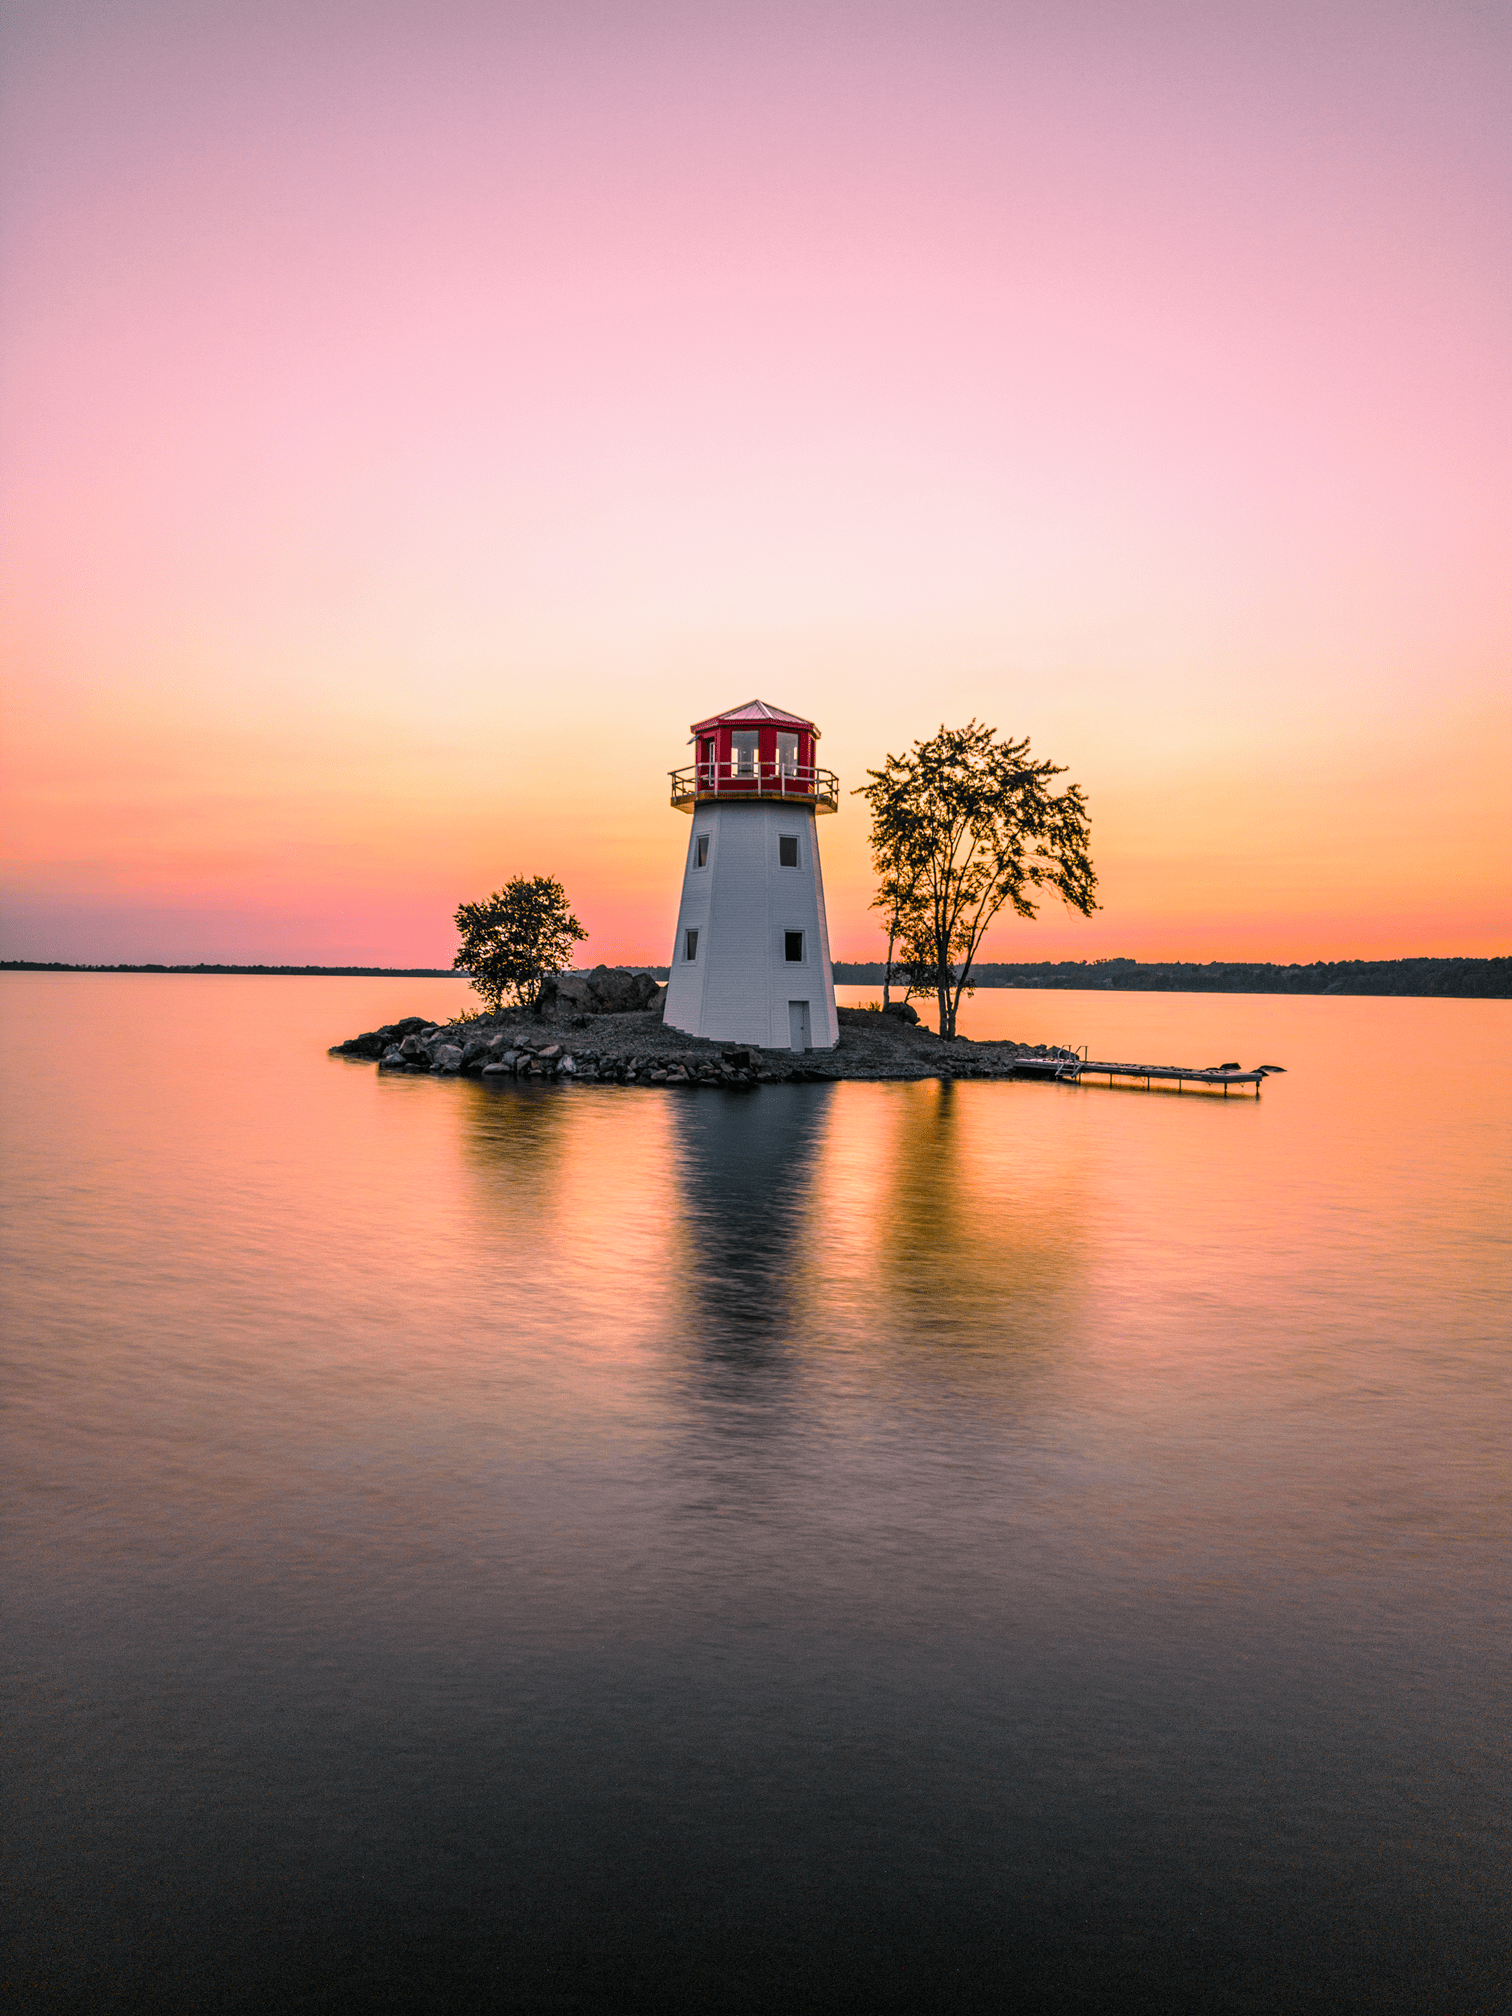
[606,1027]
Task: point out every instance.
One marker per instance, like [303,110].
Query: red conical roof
[755,710]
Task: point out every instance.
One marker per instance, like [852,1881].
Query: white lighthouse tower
[751,962]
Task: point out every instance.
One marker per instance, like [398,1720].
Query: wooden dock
[1072,1070]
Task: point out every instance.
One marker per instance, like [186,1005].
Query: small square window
[701,851]
[787,850]
[793,946]
[690,944]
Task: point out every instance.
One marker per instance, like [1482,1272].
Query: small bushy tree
[962,826]
[514,938]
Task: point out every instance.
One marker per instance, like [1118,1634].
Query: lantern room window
[787,758]
[743,745]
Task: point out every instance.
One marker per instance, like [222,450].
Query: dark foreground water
[860,1547]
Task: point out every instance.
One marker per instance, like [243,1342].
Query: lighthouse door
[798,1025]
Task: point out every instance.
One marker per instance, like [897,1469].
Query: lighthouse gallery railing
[819,790]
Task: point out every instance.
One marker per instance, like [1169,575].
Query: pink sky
[414,417]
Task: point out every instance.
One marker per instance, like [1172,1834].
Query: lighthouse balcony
[723,783]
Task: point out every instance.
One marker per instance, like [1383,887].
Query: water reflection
[982,1247]
[925,1230]
[574,1198]
[517,1137]
[746,1167]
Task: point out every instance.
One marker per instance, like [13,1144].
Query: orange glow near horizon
[413,425]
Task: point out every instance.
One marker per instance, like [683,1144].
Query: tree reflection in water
[983,1235]
[518,1134]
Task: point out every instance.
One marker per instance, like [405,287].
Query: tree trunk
[955,996]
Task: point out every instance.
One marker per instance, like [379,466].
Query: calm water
[856,1547]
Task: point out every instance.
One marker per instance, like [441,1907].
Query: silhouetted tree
[963,826]
[520,933]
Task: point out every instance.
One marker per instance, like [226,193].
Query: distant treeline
[1470,979]
[329,972]
[335,972]
[1465,979]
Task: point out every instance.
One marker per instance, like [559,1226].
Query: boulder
[562,995]
[446,1057]
[604,991]
[372,1043]
[902,1011]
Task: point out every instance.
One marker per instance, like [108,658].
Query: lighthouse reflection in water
[746,1167]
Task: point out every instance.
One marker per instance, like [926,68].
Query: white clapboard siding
[738,987]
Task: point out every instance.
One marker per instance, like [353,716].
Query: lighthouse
[751,960]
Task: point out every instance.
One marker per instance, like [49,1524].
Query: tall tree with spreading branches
[514,938]
[964,826]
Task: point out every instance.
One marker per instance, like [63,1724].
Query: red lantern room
[755,751]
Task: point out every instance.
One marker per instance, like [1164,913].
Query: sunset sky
[412,417]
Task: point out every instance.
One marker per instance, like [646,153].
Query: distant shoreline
[278,972]
[1452,979]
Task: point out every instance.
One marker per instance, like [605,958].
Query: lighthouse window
[743,742]
[701,854]
[787,757]
[793,946]
[787,850]
[690,944]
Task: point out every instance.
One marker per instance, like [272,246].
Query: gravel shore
[638,1048]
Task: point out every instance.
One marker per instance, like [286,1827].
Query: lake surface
[1000,1546]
